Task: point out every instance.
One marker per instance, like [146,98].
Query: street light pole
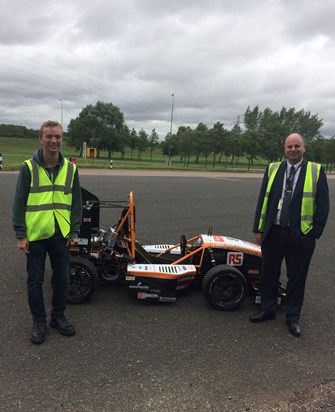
[169,162]
[61,112]
[171,114]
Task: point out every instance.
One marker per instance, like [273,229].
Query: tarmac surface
[186,356]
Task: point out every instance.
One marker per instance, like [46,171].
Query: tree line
[257,135]
[262,137]
[11,130]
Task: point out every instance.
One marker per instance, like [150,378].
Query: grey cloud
[217,57]
[308,18]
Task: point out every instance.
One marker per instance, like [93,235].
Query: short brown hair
[49,123]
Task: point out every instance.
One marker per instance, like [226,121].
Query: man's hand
[258,237]
[23,244]
[72,242]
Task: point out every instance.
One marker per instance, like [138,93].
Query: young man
[291,213]
[46,218]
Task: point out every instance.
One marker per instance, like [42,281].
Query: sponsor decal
[167,299]
[152,295]
[143,295]
[184,282]
[141,287]
[130,278]
[235,258]
[185,279]
[226,242]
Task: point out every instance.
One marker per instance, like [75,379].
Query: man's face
[294,148]
[51,139]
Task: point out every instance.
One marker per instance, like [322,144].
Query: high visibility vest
[308,196]
[48,201]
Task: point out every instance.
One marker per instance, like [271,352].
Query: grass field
[15,150]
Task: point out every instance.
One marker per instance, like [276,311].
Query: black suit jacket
[321,202]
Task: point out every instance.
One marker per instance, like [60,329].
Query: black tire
[83,280]
[224,287]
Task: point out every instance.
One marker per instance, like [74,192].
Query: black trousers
[280,244]
[60,262]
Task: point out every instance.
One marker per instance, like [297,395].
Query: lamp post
[61,112]
[171,114]
[237,126]
[169,162]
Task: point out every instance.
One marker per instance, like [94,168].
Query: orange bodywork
[131,215]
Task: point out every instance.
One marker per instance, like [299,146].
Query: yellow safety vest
[308,197]
[48,201]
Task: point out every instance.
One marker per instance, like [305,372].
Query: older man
[291,214]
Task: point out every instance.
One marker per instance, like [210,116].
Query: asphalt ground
[186,356]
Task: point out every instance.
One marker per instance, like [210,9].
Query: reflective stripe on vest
[308,197]
[47,201]
[272,171]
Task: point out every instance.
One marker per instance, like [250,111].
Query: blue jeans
[59,256]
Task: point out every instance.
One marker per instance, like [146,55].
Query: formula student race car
[228,269]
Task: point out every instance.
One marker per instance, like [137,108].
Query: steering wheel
[183,243]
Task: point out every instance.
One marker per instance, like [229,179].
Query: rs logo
[235,258]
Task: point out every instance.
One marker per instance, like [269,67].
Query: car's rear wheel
[83,280]
[224,287]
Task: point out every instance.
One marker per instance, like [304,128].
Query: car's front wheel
[224,287]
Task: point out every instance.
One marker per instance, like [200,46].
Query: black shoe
[294,328]
[39,332]
[262,316]
[62,325]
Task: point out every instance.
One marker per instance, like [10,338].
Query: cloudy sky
[217,57]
